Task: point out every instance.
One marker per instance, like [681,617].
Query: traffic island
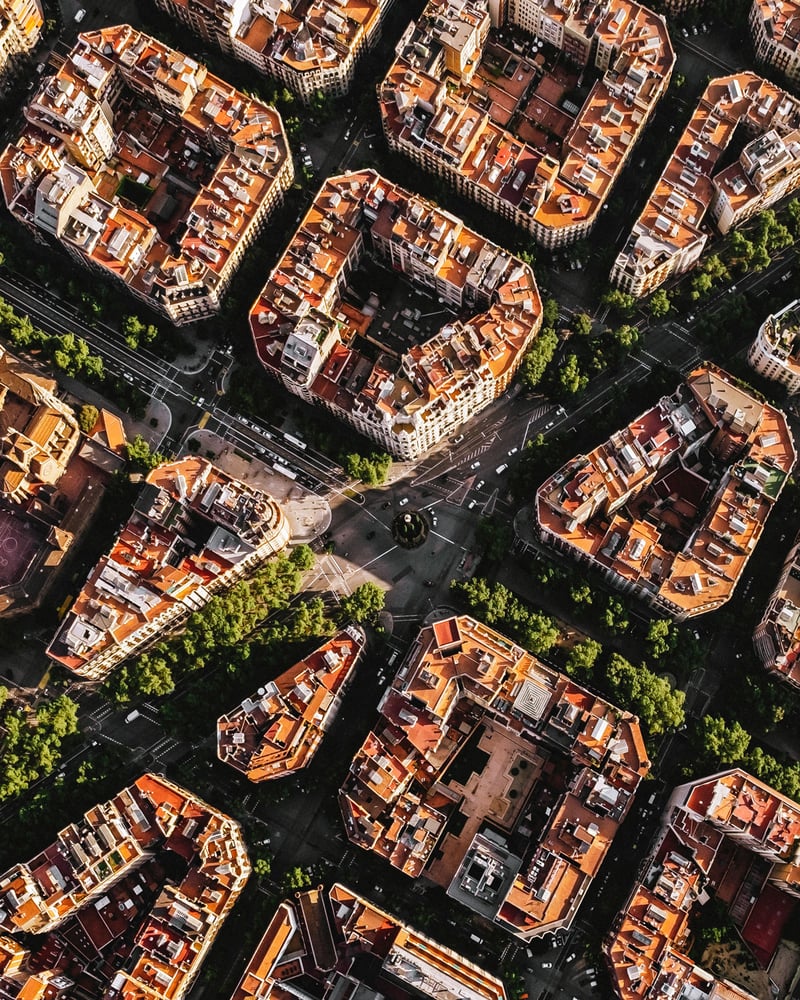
[410,529]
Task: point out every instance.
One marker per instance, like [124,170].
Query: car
[479,485]
[501,469]
[547,428]
[429,583]
[403,502]
[458,440]
[131,716]
[513,451]
[386,505]
[475,465]
[694,30]
[571,958]
[684,32]
[80,16]
[471,504]
[547,965]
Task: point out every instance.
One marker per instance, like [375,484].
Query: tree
[570,378]
[494,536]
[4,695]
[581,593]
[615,616]
[582,324]
[87,417]
[651,697]
[302,556]
[262,867]
[536,360]
[720,742]
[539,633]
[582,657]
[364,604]
[661,637]
[549,313]
[621,302]
[296,879]
[372,470]
[140,457]
[154,677]
[659,304]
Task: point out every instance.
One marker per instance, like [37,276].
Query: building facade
[148,169]
[670,235]
[126,902]
[493,776]
[777,635]
[310,334]
[671,507]
[775,353]
[773,30]
[313,48]
[450,97]
[334,943]
[194,531]
[729,836]
[21,23]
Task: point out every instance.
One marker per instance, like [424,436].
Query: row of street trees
[31,741]
[636,688]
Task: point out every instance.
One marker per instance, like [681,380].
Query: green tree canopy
[582,657]
[364,604]
[87,417]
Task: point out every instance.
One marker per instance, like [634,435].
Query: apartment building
[670,508]
[21,23]
[148,169]
[777,636]
[278,730]
[729,836]
[39,437]
[311,47]
[484,96]
[494,776]
[324,944]
[773,30]
[126,902]
[334,346]
[775,353]
[692,194]
[193,532]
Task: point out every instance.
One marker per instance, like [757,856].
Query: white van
[132,715]
[80,16]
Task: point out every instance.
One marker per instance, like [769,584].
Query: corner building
[311,47]
[126,902]
[194,532]
[671,507]
[146,168]
[497,120]
[775,353]
[329,345]
[494,776]
[21,23]
[729,836]
[740,112]
[332,944]
[777,636]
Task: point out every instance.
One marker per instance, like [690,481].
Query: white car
[513,451]
[403,502]
[471,504]
[475,465]
[479,485]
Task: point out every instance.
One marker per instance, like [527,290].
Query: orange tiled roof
[680,535]
[468,694]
